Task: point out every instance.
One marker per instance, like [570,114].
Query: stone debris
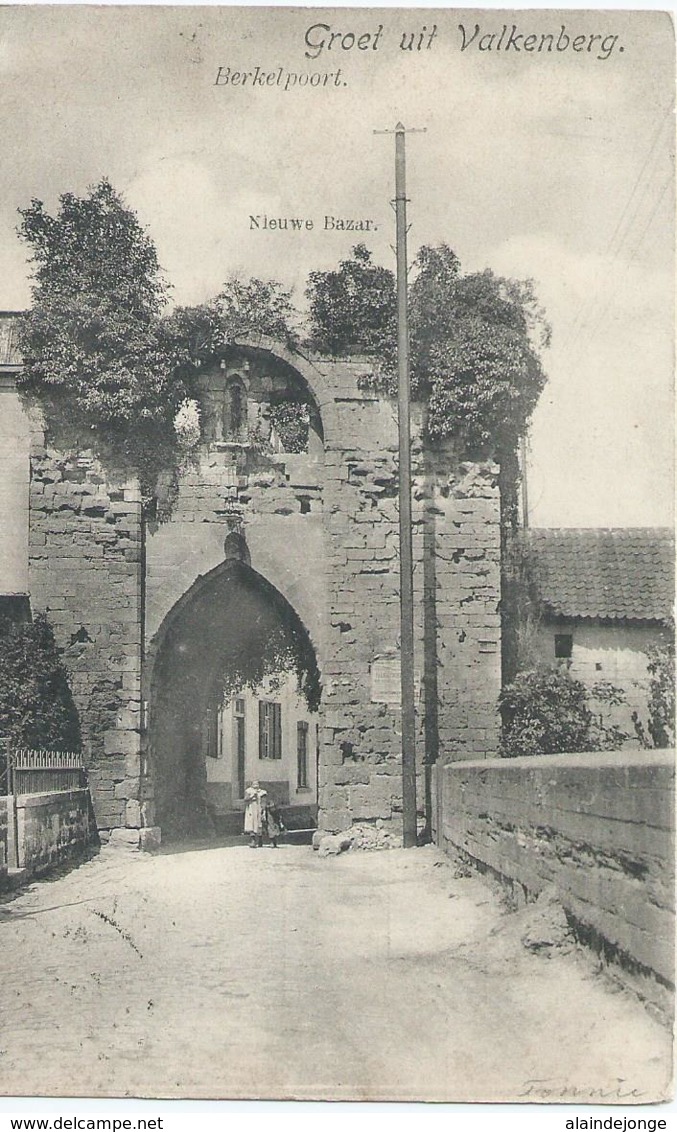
[360,836]
[331,844]
[545,926]
[379,836]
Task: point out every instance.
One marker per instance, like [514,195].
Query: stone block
[368,802]
[331,844]
[335,821]
[130,837]
[121,742]
[133,813]
[351,775]
[132,764]
[127,789]
[150,839]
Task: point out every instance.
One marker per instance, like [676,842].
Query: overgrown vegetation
[661,667]
[111,369]
[36,704]
[547,711]
[353,310]
[196,335]
[475,349]
[474,341]
[104,357]
[92,344]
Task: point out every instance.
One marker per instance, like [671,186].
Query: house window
[270,730]
[301,755]
[564,644]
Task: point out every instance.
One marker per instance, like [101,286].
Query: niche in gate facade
[261,404]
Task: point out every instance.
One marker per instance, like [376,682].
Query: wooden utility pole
[409,830]
[525,492]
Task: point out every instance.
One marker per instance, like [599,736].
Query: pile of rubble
[363,835]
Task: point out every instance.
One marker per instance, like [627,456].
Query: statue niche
[227,405]
[234,412]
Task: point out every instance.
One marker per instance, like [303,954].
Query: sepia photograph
[337,658]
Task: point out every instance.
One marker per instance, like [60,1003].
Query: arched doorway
[234,693]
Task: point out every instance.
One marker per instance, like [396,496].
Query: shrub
[36,704]
[546,712]
[661,705]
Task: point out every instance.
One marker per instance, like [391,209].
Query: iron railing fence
[27,771]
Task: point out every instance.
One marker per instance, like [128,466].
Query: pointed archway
[230,636]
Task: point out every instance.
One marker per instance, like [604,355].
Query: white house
[266,734]
[605,597]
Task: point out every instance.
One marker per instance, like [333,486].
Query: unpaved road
[228,972]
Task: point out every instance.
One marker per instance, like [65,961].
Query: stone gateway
[246,625]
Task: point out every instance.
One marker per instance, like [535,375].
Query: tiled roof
[9,352]
[625,573]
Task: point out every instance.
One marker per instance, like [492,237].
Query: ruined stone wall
[322,529]
[456,594]
[85,553]
[595,829]
[360,769]
[466,563]
[14,458]
[274,504]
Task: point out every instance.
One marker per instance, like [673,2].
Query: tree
[36,705]
[475,343]
[196,335]
[353,309]
[91,343]
[258,305]
[474,355]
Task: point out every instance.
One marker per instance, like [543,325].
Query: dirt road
[229,972]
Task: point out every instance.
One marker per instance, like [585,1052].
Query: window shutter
[277,731]
[262,728]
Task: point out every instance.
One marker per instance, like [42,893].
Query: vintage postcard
[336,554]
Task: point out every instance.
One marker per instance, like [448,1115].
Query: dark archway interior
[230,631]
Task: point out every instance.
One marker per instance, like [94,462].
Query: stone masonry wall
[597,829]
[360,775]
[85,574]
[456,593]
[53,828]
[275,504]
[323,530]
[467,568]
[3,839]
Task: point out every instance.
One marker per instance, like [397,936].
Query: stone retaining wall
[3,840]
[597,829]
[51,828]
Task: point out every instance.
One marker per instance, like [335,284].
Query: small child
[273,822]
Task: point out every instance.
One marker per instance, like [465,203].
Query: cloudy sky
[551,165]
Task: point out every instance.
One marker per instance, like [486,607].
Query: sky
[550,165]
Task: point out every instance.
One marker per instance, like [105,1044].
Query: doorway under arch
[231,654]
